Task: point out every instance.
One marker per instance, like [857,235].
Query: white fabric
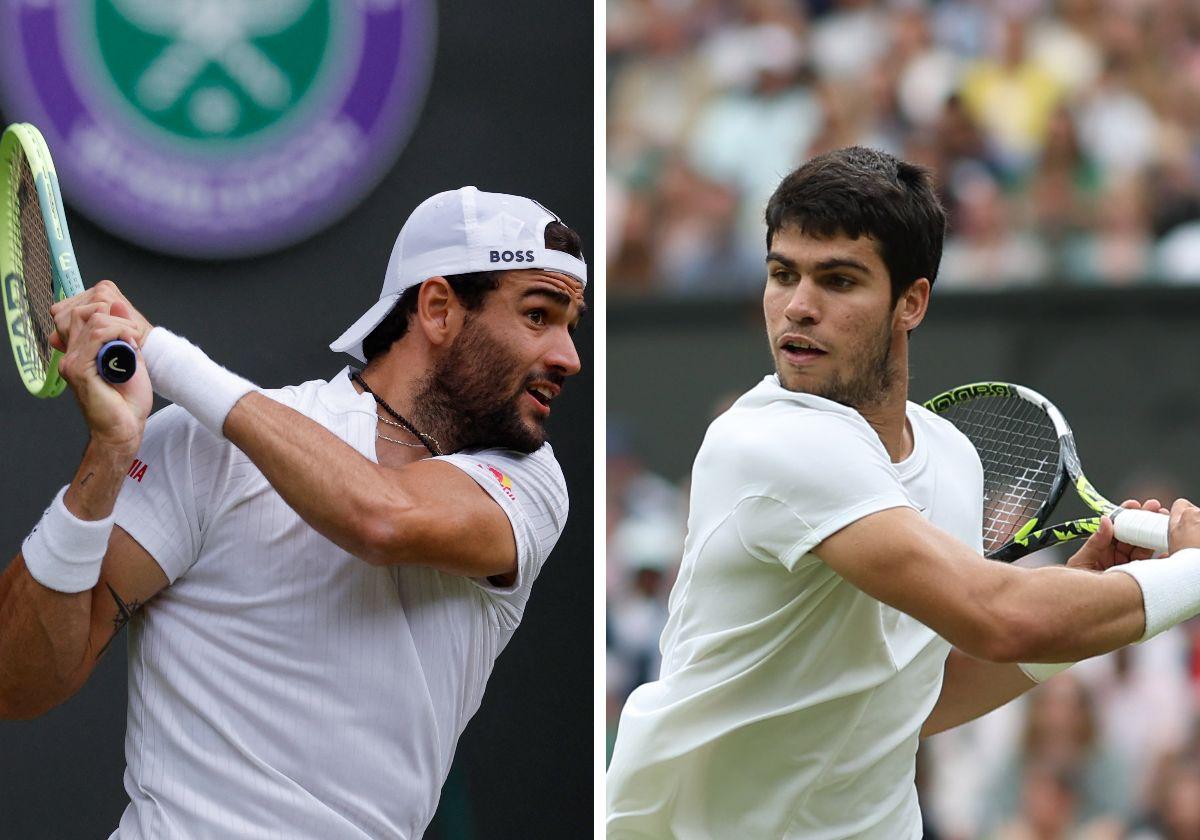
[1039,672]
[1170,588]
[459,232]
[63,552]
[790,702]
[280,687]
[182,373]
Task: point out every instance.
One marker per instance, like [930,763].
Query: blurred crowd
[1064,135]
[1108,750]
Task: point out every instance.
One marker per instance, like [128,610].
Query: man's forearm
[44,634]
[333,488]
[971,688]
[1054,614]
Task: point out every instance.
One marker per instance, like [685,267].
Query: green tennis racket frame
[26,138]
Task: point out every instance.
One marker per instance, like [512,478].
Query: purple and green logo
[217,128]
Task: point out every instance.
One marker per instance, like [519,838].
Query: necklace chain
[382,436]
[428,441]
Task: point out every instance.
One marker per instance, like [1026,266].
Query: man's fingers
[68,321]
[91,334]
[1184,525]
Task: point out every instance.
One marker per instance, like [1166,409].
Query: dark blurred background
[509,110]
[1064,136]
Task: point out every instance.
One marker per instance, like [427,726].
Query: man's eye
[538,316]
[781,276]
[840,281]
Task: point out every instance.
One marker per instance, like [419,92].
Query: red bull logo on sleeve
[502,477]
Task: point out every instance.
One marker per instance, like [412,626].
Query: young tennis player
[833,604]
[328,571]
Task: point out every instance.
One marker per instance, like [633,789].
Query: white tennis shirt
[790,702]
[280,687]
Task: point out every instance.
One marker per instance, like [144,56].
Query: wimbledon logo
[216,128]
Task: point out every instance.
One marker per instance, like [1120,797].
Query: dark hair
[472,289]
[856,191]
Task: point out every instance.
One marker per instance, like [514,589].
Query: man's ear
[912,305]
[439,311]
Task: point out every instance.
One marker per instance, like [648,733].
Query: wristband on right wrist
[182,373]
[1170,588]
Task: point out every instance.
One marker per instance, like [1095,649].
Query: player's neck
[396,383]
[888,417]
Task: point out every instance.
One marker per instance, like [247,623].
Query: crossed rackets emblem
[206,32]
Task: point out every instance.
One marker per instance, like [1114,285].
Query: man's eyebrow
[823,265]
[557,295]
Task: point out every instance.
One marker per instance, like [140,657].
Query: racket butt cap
[116,362]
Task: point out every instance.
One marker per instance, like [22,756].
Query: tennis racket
[1029,457]
[38,264]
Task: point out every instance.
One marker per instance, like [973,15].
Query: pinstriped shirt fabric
[282,688]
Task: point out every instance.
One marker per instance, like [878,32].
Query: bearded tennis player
[318,579]
[833,604]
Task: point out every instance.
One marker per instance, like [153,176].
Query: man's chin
[799,383]
[524,435]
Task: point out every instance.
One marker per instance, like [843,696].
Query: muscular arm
[989,610]
[50,641]
[429,513]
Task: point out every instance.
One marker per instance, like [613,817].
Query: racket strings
[1018,447]
[36,266]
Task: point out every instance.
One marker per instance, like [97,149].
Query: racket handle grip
[1141,528]
[116,362]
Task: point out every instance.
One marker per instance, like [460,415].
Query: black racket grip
[116,362]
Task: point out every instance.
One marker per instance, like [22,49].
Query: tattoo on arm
[125,612]
[84,482]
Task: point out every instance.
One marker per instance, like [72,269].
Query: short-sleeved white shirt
[790,702]
[280,687]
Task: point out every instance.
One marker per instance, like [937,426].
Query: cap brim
[351,340]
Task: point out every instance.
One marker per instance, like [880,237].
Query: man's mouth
[542,394]
[799,351]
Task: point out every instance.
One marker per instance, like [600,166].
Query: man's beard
[868,381]
[465,401]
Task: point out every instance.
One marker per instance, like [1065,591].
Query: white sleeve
[804,481]
[531,491]
[166,497]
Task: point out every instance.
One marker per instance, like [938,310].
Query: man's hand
[1103,551]
[115,414]
[104,292]
[1184,531]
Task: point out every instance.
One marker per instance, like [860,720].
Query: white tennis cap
[458,232]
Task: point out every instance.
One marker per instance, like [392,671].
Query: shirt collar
[340,395]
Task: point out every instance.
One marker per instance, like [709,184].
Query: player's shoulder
[768,418]
[538,469]
[334,394]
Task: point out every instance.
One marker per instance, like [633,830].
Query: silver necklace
[427,441]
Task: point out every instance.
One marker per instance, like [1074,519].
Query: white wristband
[1040,672]
[63,552]
[182,373]
[1170,588]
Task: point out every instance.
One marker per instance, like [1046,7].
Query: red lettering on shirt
[137,470]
